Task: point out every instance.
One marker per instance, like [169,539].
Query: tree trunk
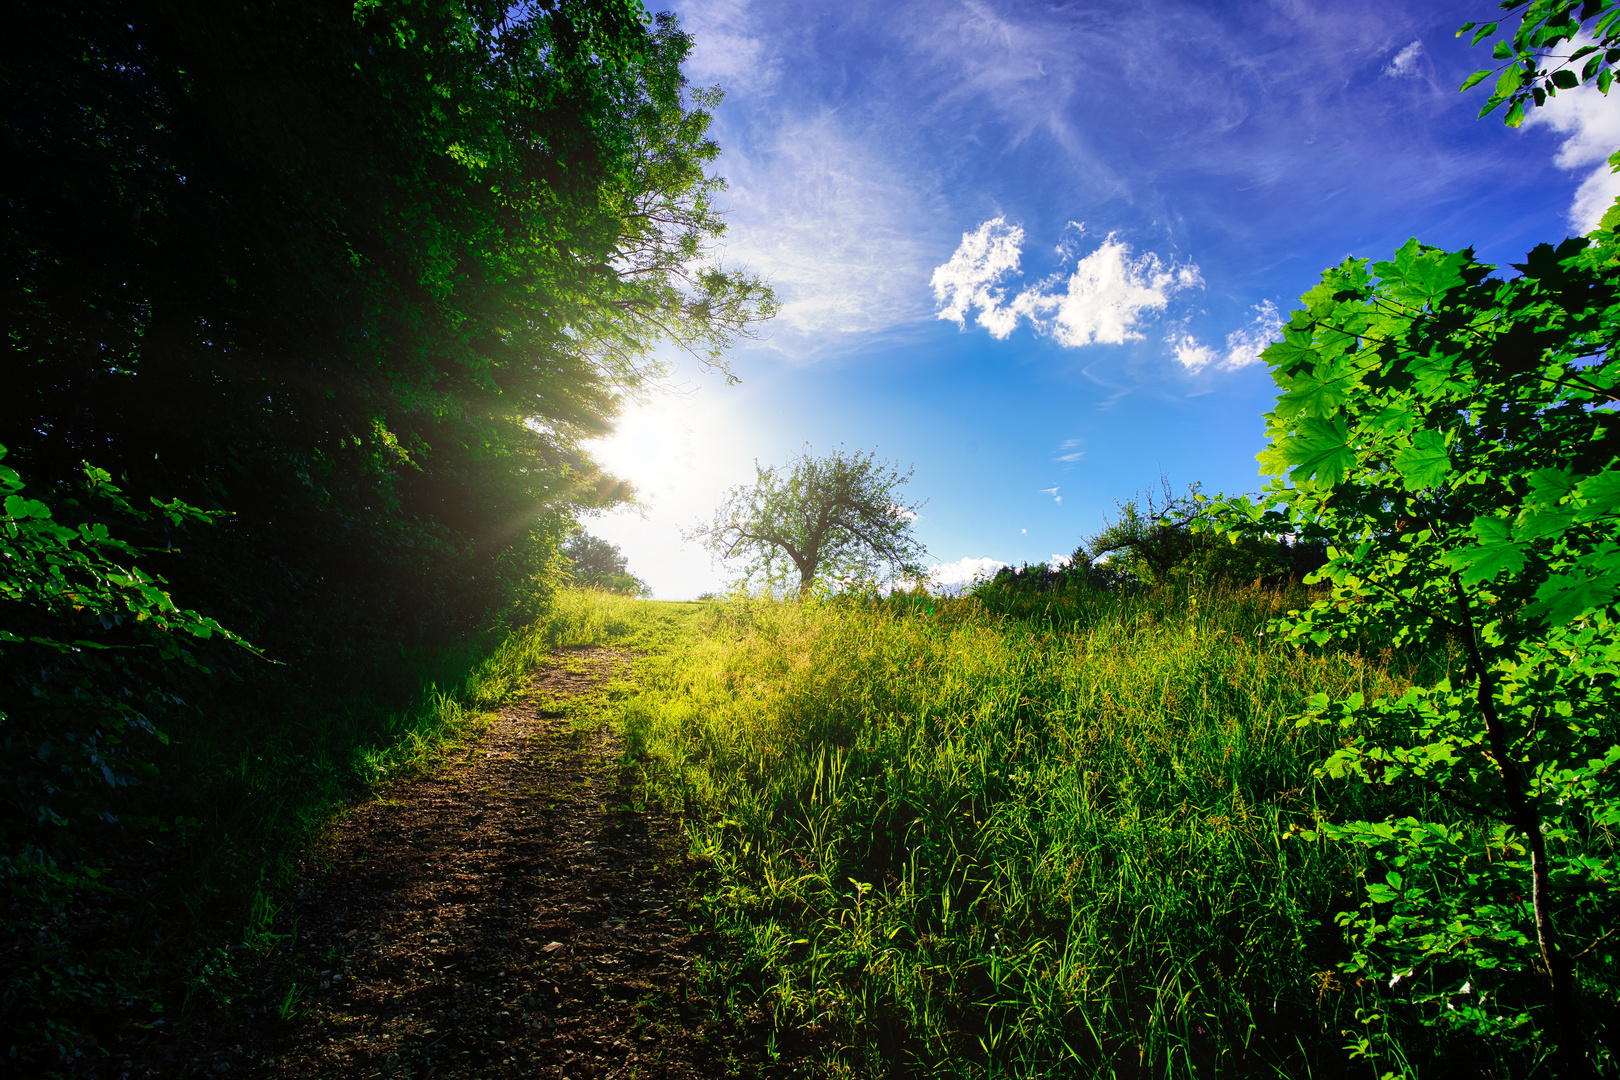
[1527,819]
[807,576]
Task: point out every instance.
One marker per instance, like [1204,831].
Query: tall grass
[1047,841]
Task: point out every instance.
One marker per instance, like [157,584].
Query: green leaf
[1482,33]
[1424,464]
[1320,390]
[1565,79]
[1475,79]
[1564,598]
[1599,495]
[1496,552]
[1549,486]
[1286,356]
[20,508]
[1515,115]
[1504,51]
[1604,79]
[1321,451]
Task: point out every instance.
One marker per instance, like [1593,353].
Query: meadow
[1019,836]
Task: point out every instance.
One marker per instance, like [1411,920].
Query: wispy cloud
[1103,301]
[1243,345]
[1068,451]
[824,202]
[841,231]
[1405,63]
[1591,124]
[726,49]
[1052,491]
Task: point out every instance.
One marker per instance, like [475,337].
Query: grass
[1047,840]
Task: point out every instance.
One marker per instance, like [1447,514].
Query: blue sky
[1034,249]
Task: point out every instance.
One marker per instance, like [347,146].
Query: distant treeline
[1160,538]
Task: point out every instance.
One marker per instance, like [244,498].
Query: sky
[1032,251]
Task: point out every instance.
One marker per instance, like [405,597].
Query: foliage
[1452,436]
[1039,840]
[95,652]
[1533,71]
[1076,573]
[360,281]
[366,276]
[1161,538]
[836,520]
[597,564]
[93,646]
[1152,534]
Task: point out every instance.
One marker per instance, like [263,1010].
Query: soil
[506,915]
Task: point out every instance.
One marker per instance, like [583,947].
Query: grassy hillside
[944,839]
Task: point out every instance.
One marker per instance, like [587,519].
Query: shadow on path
[499,917]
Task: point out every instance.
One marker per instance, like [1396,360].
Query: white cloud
[1405,63]
[1107,295]
[1195,357]
[1591,123]
[1052,491]
[970,279]
[1103,302]
[953,576]
[1069,451]
[1243,346]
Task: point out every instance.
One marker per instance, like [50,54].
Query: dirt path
[500,917]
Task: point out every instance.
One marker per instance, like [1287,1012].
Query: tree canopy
[363,278]
[344,289]
[837,518]
[1451,435]
[594,562]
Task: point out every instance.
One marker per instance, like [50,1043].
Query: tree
[367,276]
[1452,436]
[1533,70]
[93,646]
[1159,537]
[595,563]
[359,281]
[1149,539]
[837,517]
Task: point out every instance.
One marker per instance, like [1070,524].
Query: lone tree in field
[839,517]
